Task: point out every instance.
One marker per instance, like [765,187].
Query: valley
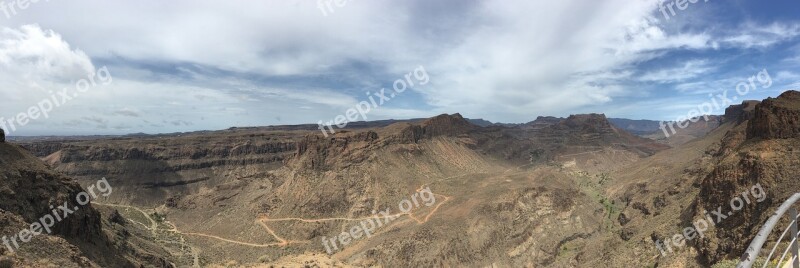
[557,192]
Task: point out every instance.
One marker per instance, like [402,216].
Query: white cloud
[787,76]
[507,60]
[38,56]
[688,70]
[752,35]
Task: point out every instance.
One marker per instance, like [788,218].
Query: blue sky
[206,65]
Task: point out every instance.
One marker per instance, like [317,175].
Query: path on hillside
[263,220]
[154,229]
[281,242]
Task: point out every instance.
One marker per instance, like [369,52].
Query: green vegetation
[604,178]
[592,186]
[158,217]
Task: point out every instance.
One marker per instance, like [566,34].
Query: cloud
[752,35]
[40,54]
[126,112]
[688,70]
[220,64]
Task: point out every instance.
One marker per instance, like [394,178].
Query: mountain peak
[740,112]
[776,118]
[445,124]
[587,120]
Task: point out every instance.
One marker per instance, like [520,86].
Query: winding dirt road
[263,220]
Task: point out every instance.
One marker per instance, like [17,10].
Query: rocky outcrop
[29,191]
[446,125]
[44,148]
[76,153]
[442,125]
[776,118]
[2,135]
[543,121]
[741,112]
[760,149]
[319,153]
[595,124]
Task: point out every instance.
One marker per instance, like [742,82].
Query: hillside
[81,238]
[281,191]
[663,194]
[556,192]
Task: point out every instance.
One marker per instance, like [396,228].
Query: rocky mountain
[761,148]
[777,118]
[556,192]
[297,177]
[35,199]
[645,128]
[692,130]
[666,193]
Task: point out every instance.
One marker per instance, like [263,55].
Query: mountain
[692,130]
[480,122]
[752,153]
[761,148]
[33,195]
[556,192]
[638,127]
[260,188]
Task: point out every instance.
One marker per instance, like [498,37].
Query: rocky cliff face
[740,112]
[318,153]
[29,191]
[155,163]
[345,148]
[760,149]
[589,127]
[777,118]
[442,125]
[450,125]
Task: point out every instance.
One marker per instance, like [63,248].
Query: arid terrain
[556,192]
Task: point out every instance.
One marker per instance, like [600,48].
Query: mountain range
[580,191]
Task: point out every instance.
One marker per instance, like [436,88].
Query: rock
[446,125]
[2,135]
[626,234]
[741,112]
[623,219]
[116,218]
[776,118]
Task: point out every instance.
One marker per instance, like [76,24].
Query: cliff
[776,118]
[761,148]
[30,190]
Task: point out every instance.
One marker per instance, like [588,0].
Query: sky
[118,67]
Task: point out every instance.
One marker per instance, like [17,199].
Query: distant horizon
[312,124]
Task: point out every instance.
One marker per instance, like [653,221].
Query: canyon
[555,192]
